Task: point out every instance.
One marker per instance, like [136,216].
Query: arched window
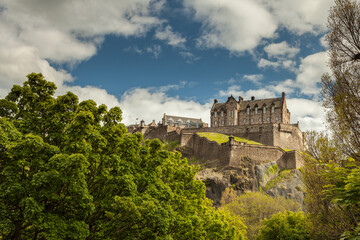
[256,109]
[215,123]
[248,110]
[272,108]
[264,109]
[215,114]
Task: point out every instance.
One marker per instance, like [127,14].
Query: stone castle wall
[283,135]
[233,153]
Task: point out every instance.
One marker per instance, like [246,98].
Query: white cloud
[189,57]
[280,50]
[309,113]
[238,25]
[155,50]
[254,78]
[65,32]
[172,38]
[235,90]
[156,103]
[263,63]
[300,16]
[310,70]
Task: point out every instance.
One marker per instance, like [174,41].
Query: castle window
[215,123]
[268,119]
[272,109]
[215,114]
[231,113]
[256,109]
[251,120]
[222,114]
[260,119]
[244,120]
[277,118]
[248,110]
[230,123]
[222,122]
[264,109]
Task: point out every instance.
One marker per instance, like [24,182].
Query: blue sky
[174,57]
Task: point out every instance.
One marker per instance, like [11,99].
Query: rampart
[286,136]
[232,153]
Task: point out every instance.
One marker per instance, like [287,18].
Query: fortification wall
[283,135]
[232,152]
[289,136]
[291,160]
[162,133]
[258,154]
[210,150]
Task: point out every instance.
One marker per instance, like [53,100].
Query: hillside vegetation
[222,138]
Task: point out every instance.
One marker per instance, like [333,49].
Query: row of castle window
[257,110]
[245,121]
[231,113]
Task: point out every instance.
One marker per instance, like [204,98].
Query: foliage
[284,226]
[171,145]
[345,192]
[281,177]
[341,89]
[327,220]
[222,138]
[253,207]
[68,170]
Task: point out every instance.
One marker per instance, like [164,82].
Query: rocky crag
[224,180]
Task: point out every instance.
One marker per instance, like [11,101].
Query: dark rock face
[251,177]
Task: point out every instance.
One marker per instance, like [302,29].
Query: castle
[242,113]
[266,121]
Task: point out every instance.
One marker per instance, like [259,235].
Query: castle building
[248,112]
[182,122]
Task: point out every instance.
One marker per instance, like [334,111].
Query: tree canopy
[69,170]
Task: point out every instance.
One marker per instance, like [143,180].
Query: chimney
[215,101]
[252,98]
[240,99]
[283,94]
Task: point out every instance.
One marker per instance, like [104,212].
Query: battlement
[232,153]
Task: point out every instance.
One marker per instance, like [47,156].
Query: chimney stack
[252,98]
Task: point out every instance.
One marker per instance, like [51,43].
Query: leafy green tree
[341,91]
[253,207]
[284,226]
[323,164]
[69,170]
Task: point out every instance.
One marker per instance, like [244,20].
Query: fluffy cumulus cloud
[310,70]
[33,33]
[156,103]
[170,37]
[282,49]
[240,25]
[237,25]
[254,78]
[299,16]
[309,113]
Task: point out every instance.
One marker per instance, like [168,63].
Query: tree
[253,207]
[284,226]
[341,89]
[325,168]
[69,170]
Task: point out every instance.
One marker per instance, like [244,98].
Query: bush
[284,226]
